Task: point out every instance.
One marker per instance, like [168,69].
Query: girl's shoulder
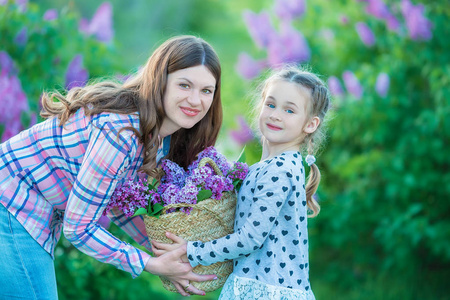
[284,160]
[289,162]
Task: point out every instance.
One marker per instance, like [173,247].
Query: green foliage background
[384,228]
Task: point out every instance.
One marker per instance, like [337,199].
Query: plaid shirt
[52,175]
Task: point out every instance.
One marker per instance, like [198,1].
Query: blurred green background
[384,228]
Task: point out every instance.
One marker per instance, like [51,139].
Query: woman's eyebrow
[191,83]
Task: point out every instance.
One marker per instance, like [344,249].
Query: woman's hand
[161,248]
[178,272]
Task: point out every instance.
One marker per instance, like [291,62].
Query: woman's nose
[194,98]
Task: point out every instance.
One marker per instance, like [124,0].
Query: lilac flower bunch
[131,196]
[179,186]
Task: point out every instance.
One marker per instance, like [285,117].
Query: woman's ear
[312,125]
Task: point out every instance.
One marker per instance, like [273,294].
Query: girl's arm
[273,188]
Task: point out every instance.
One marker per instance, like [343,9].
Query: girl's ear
[312,125]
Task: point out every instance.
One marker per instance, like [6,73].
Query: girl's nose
[275,116]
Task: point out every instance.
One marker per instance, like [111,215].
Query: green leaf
[140,211]
[203,194]
[155,209]
[242,157]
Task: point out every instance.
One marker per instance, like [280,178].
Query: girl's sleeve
[108,157]
[272,190]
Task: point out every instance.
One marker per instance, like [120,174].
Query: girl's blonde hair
[144,93]
[318,107]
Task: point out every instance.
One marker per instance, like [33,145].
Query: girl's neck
[269,151]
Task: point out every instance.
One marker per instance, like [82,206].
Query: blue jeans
[27,271]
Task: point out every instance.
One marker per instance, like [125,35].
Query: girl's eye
[271,105]
[289,111]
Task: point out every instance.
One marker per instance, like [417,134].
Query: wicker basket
[210,219]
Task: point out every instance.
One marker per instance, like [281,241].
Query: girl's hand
[162,248]
[178,272]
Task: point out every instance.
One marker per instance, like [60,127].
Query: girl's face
[283,120]
[188,97]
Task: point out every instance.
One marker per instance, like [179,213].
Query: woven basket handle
[207,160]
[213,213]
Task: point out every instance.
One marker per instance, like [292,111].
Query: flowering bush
[179,186]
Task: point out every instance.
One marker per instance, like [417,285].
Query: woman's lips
[190,111]
[273,127]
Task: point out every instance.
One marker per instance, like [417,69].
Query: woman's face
[188,97]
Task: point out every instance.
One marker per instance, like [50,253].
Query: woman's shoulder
[116,120]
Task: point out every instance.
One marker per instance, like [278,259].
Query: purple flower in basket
[199,175]
[217,185]
[129,197]
[178,186]
[212,153]
[239,171]
[173,173]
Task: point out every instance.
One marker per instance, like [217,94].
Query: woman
[61,173]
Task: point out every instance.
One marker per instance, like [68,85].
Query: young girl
[270,243]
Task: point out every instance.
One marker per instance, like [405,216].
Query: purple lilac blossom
[101,25]
[215,155]
[199,175]
[21,37]
[352,84]
[289,9]
[378,9]
[419,27]
[50,15]
[382,84]
[6,63]
[12,97]
[239,171]
[248,67]
[259,27]
[335,86]
[76,75]
[217,185]
[173,173]
[365,34]
[392,23]
[289,46]
[3,2]
[296,46]
[129,197]
[244,134]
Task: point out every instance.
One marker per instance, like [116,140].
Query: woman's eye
[206,91]
[184,85]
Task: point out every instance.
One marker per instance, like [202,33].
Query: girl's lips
[190,111]
[273,127]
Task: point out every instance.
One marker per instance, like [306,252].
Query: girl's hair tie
[310,159]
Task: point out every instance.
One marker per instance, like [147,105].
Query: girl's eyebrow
[191,83]
[288,102]
[292,103]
